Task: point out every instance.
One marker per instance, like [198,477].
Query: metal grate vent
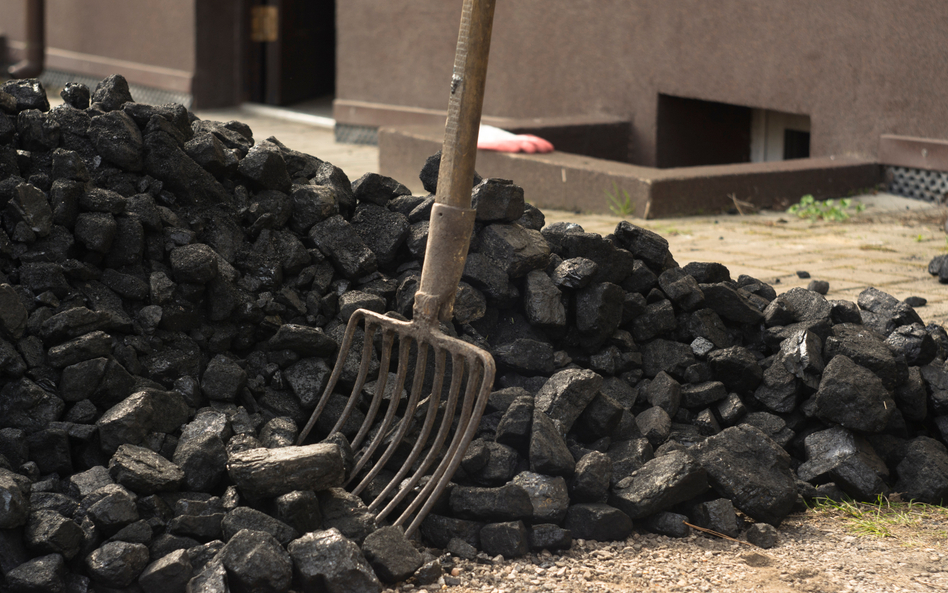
[349,134]
[55,80]
[921,184]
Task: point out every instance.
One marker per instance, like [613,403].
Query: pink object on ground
[491,138]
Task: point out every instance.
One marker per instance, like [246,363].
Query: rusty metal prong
[457,374]
[381,433]
[343,351]
[428,497]
[417,385]
[388,338]
[464,418]
[432,402]
[367,349]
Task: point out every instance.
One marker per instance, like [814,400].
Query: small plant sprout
[832,210]
[620,206]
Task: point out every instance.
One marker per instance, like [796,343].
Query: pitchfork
[472,368]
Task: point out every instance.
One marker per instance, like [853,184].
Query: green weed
[832,210]
[619,205]
[912,522]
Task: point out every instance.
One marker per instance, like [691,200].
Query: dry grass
[912,523]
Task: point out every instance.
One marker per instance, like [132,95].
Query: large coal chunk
[509,539]
[46,574]
[612,264]
[668,523]
[439,530]
[717,515]
[659,485]
[143,471]
[377,189]
[382,231]
[566,394]
[599,310]
[515,425]
[171,572]
[628,456]
[209,152]
[112,92]
[746,466]
[347,513]
[591,479]
[429,174]
[853,396]
[118,140]
[548,496]
[548,451]
[732,304]
[272,472]
[505,503]
[189,182]
[339,242]
[16,504]
[248,518]
[598,522]
[645,245]
[737,367]
[543,301]
[223,379]
[26,405]
[883,312]
[255,561]
[913,343]
[131,420]
[497,200]
[923,472]
[52,533]
[669,356]
[117,563]
[38,131]
[13,313]
[391,554]
[801,355]
[326,560]
[265,168]
[682,288]
[795,305]
[868,349]
[28,93]
[514,249]
[837,455]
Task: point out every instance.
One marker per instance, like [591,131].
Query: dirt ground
[816,552]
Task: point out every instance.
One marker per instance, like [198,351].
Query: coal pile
[172,296]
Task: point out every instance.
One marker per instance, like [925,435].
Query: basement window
[779,136]
[692,133]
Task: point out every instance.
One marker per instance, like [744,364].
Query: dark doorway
[796,144]
[292,54]
[692,132]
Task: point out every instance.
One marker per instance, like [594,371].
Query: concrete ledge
[916,153]
[567,181]
[599,136]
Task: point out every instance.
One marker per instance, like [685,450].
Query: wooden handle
[452,220]
[459,149]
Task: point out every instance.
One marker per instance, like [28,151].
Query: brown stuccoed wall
[150,43]
[858,69]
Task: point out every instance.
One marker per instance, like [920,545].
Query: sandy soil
[817,552]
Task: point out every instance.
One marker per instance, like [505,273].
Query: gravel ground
[816,552]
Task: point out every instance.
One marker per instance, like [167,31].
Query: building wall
[150,43]
[858,69]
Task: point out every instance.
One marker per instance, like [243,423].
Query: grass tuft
[914,523]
